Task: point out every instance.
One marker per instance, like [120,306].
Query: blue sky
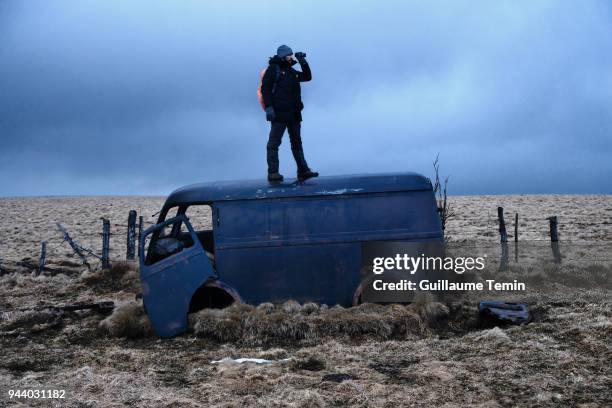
[141,97]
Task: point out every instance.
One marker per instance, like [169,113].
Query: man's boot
[275,177]
[304,171]
[303,175]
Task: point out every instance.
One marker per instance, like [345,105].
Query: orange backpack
[261,75]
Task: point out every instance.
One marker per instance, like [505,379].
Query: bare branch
[444,209]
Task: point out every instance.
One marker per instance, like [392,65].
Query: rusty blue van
[275,242]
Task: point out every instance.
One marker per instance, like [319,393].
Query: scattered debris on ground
[505,312]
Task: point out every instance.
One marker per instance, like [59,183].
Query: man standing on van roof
[281,92]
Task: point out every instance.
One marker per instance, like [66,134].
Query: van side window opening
[169,240]
[200,218]
[171,213]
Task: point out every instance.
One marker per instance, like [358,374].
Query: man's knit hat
[284,51]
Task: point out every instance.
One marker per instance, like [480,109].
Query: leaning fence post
[43,257]
[105,243]
[554,238]
[75,247]
[502,225]
[140,231]
[131,235]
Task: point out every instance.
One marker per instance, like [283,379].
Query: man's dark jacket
[287,96]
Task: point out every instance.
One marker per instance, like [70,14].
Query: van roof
[320,186]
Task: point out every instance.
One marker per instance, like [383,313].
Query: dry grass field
[430,353]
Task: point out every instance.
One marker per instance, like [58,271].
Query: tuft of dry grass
[221,325]
[273,354]
[310,307]
[291,307]
[432,313]
[291,323]
[354,322]
[120,276]
[127,320]
[265,307]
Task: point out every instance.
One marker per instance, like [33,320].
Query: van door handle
[218,218]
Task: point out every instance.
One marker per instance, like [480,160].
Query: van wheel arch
[214,294]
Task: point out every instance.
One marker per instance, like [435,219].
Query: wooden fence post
[554,238]
[554,234]
[516,227]
[43,257]
[516,249]
[140,231]
[105,243]
[131,235]
[503,262]
[502,225]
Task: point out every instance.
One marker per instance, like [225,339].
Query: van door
[172,269]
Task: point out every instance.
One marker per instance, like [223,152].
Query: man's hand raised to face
[300,56]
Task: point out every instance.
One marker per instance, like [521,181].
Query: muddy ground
[432,353]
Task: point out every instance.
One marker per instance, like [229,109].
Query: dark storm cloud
[141,97]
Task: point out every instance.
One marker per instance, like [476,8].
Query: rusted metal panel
[168,285]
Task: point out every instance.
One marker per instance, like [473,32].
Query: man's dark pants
[276,135]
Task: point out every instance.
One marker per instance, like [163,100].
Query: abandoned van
[275,242]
